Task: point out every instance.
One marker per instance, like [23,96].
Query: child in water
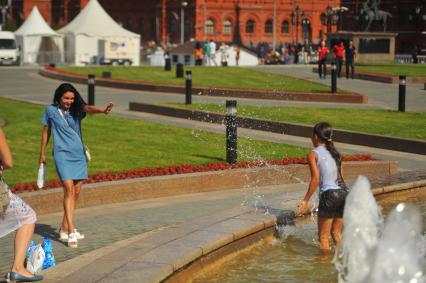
[326,173]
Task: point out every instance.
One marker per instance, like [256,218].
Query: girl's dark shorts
[332,203]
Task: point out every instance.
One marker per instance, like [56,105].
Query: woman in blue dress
[63,118]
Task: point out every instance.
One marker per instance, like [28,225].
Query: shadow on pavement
[48,231]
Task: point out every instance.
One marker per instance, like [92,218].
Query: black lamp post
[339,14]
[295,20]
[329,15]
[323,22]
[4,6]
[305,28]
[182,21]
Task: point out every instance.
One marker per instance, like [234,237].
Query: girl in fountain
[64,117]
[17,216]
[326,172]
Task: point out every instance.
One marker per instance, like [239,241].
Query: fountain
[373,252]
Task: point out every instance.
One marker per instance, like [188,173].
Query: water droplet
[400,207]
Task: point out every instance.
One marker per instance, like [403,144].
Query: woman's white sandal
[72,240]
[63,236]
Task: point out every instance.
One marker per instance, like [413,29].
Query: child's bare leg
[336,230]
[324,228]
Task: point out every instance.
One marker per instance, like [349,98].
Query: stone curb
[378,77]
[301,130]
[49,201]
[388,190]
[212,91]
[175,253]
[399,187]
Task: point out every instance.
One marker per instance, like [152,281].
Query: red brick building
[246,21]
[252,21]
[56,12]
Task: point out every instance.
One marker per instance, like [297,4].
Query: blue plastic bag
[49,260]
[31,247]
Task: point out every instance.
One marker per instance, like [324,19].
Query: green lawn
[121,144]
[410,70]
[382,122]
[232,77]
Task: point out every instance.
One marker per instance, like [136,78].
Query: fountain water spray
[373,252]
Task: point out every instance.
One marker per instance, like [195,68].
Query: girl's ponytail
[334,153]
[324,131]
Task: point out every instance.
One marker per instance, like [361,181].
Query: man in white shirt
[213,52]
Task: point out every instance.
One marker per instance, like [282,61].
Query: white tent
[94,35]
[39,43]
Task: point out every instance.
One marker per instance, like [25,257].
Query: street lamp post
[329,15]
[274,25]
[338,15]
[4,7]
[182,21]
[305,29]
[323,22]
[295,19]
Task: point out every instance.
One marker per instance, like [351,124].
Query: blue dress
[68,149]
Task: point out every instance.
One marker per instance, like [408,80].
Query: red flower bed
[179,169]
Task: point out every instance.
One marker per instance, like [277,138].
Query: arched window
[209,26]
[268,26]
[227,27]
[250,26]
[285,27]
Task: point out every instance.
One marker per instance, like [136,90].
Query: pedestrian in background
[237,55]
[198,54]
[206,53]
[63,118]
[339,52]
[350,54]
[213,52]
[322,60]
[224,54]
[19,217]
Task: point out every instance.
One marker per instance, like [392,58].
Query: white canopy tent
[38,42]
[94,35]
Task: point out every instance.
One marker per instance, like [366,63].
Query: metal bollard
[188,87]
[168,65]
[401,96]
[333,78]
[231,131]
[179,70]
[91,89]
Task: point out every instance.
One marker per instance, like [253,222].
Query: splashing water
[373,252]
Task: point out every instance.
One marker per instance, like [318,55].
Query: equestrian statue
[371,12]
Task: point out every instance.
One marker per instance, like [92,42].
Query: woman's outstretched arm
[94,109]
[45,136]
[6,161]
[313,184]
